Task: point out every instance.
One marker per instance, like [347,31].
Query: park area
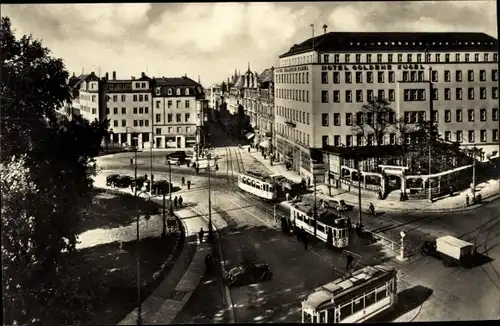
[107,251]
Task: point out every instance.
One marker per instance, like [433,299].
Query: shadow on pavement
[407,300]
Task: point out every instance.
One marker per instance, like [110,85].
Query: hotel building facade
[322,83]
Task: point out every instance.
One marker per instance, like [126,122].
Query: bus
[257,184]
[353,299]
[327,222]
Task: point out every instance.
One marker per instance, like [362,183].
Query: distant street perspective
[347,177]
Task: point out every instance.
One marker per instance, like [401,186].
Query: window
[141,110]
[359,140]
[482,93]
[324,119]
[482,114]
[336,77]
[158,117]
[186,103]
[359,95]
[447,76]
[471,136]
[434,76]
[447,116]
[389,57]
[435,94]
[178,117]
[324,77]
[359,77]
[447,135]
[428,57]
[380,76]
[141,123]
[326,58]
[348,119]
[421,116]
[188,130]
[458,76]
[169,104]
[406,76]
[135,98]
[435,116]
[379,58]
[419,57]
[169,117]
[459,115]
[495,135]
[447,57]
[158,131]
[369,95]
[348,77]
[146,97]
[458,94]
[470,75]
[358,58]
[135,123]
[186,91]
[359,118]
[169,92]
[324,96]
[470,93]
[467,57]
[408,58]
[369,58]
[348,140]
[178,104]
[457,57]
[459,136]
[486,57]
[348,96]
[336,119]
[392,138]
[141,98]
[494,91]
[400,58]
[324,140]
[336,58]
[494,114]
[124,123]
[115,123]
[413,76]
[482,75]
[336,96]
[381,94]
[392,95]
[115,110]
[369,77]
[186,117]
[391,78]
[470,115]
[107,110]
[482,135]
[177,91]
[494,75]
[447,94]
[146,110]
[347,58]
[179,130]
[476,57]
[135,110]
[146,123]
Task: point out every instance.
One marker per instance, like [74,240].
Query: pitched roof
[266,76]
[176,81]
[387,41]
[240,82]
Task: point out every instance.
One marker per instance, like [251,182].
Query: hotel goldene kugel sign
[372,67]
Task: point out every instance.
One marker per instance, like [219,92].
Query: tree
[375,120]
[403,131]
[47,166]
[224,87]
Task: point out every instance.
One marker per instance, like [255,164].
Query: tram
[257,184]
[358,298]
[328,222]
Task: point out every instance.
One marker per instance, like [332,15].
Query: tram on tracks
[257,184]
[329,225]
[353,299]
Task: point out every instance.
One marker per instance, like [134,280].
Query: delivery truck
[452,251]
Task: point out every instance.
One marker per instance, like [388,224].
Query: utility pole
[474,172]
[315,211]
[164,229]
[135,171]
[431,124]
[360,216]
[210,227]
[170,208]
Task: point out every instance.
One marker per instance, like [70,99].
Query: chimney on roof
[106,76]
[143,74]
[133,78]
[324,28]
[185,75]
[114,75]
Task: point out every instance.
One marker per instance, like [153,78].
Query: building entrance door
[179,143]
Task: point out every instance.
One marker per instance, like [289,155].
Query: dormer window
[187,91]
[169,91]
[158,90]
[178,91]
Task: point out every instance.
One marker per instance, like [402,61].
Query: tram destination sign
[373,67]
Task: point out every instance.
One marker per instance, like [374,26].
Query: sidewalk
[489,191]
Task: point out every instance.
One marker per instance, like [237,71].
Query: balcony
[290,123]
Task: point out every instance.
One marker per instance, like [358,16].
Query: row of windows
[293,114]
[483,116]
[177,104]
[293,94]
[410,57]
[137,123]
[370,95]
[178,117]
[158,131]
[169,91]
[141,110]
[293,78]
[292,133]
[123,98]
[370,139]
[413,76]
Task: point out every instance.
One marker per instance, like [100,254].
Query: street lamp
[401,256]
[110,137]
[210,227]
[431,108]
[135,169]
[139,304]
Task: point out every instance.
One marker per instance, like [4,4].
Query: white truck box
[453,247]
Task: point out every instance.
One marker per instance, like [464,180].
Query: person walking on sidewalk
[183,180]
[208,263]
[372,209]
[131,161]
[201,234]
[175,202]
[189,184]
[180,201]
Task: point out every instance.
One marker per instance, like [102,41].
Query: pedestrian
[201,234]
[183,180]
[197,170]
[305,235]
[216,167]
[467,200]
[372,209]
[175,202]
[208,262]
[189,184]
[187,163]
[131,161]
[479,198]
[249,149]
[180,201]
[349,260]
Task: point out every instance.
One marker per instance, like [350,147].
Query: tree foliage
[376,119]
[46,168]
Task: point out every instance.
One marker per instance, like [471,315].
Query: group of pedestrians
[184,182]
[178,202]
[303,237]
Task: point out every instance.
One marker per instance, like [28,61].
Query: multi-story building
[323,82]
[178,110]
[86,92]
[258,103]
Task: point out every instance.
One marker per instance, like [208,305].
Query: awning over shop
[249,135]
[264,144]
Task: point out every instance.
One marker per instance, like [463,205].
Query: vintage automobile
[160,187]
[452,251]
[123,181]
[248,272]
[175,161]
[339,205]
[111,180]
[141,182]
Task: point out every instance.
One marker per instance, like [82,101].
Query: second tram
[355,299]
[257,184]
[329,225]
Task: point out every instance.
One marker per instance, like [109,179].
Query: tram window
[308,318]
[381,293]
[331,316]
[271,188]
[299,217]
[346,310]
[357,305]
[322,317]
[321,228]
[335,235]
[370,299]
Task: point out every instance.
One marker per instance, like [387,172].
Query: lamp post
[170,211]
[151,164]
[210,227]
[360,216]
[315,212]
[431,109]
[135,169]
[110,137]
[139,304]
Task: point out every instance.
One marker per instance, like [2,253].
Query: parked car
[141,182]
[160,187]
[175,161]
[339,205]
[129,148]
[177,154]
[248,272]
[111,180]
[454,252]
[123,181]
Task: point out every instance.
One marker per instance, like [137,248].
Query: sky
[211,40]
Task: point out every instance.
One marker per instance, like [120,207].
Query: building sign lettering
[293,69]
[373,67]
